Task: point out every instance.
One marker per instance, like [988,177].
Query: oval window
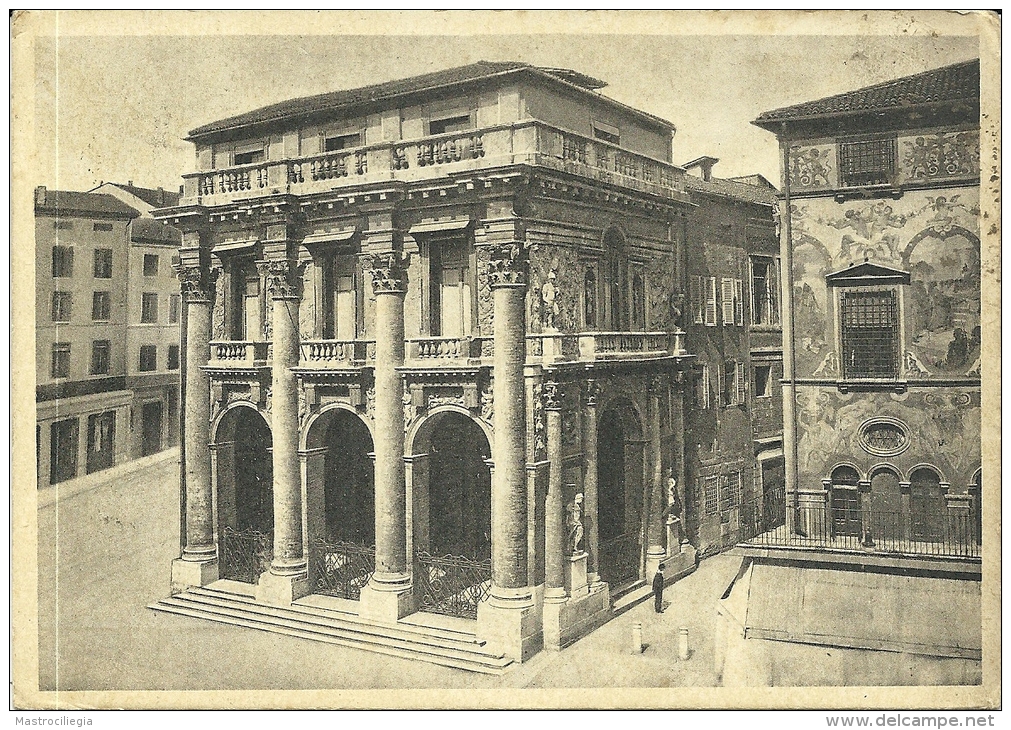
[884,437]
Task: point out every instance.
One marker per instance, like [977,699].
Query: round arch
[222,425]
[845,470]
[927,506]
[311,433]
[885,501]
[419,435]
[936,471]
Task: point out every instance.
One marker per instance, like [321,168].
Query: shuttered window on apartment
[739,302]
[710,284]
[727,300]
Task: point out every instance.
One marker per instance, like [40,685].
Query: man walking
[658,589]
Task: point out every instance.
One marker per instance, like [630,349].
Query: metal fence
[245,554]
[452,585]
[340,568]
[621,558]
[855,528]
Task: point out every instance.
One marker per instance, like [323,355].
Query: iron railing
[620,558]
[340,568]
[854,528]
[452,585]
[245,554]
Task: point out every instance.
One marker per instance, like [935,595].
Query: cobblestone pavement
[111,558]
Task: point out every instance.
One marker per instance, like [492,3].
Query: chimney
[40,195]
[705,165]
[129,183]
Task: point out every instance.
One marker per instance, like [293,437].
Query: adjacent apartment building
[439,361]
[107,357]
[879,556]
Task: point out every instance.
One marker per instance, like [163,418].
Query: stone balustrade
[240,353]
[444,348]
[527,142]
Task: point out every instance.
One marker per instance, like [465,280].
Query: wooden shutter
[772,286]
[738,302]
[711,302]
[741,382]
[695,295]
[727,300]
[720,375]
[706,385]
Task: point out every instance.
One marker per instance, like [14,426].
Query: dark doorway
[926,506]
[460,489]
[349,492]
[845,499]
[618,520]
[63,450]
[886,519]
[173,416]
[254,473]
[151,426]
[101,441]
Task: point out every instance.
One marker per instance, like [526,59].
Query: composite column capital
[283,277]
[388,270]
[507,266]
[196,281]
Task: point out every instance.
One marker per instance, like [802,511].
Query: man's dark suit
[658,591]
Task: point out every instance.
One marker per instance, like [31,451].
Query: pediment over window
[867,274]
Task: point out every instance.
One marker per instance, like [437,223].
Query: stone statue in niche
[574,521]
[672,515]
[549,302]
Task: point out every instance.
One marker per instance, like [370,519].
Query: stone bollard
[637,637]
[683,643]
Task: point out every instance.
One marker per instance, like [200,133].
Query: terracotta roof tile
[69,202]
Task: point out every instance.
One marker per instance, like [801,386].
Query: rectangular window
[727,300]
[731,384]
[61,360]
[63,261]
[870,334]
[739,302]
[606,132]
[450,124]
[342,142]
[101,306]
[730,493]
[103,263]
[763,381]
[868,162]
[150,264]
[103,227]
[149,308]
[173,357]
[697,286]
[764,292]
[64,225]
[249,158]
[741,384]
[62,301]
[148,358]
[710,313]
[702,388]
[173,308]
[710,494]
[100,350]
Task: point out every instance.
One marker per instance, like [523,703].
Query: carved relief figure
[574,520]
[549,305]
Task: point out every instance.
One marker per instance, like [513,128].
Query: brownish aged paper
[493,325]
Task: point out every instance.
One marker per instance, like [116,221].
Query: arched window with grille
[845,501]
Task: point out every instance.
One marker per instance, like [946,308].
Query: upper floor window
[763,381]
[103,263]
[148,358]
[63,261]
[173,357]
[703,296]
[456,123]
[870,334]
[867,162]
[732,383]
[150,264]
[101,306]
[339,297]
[764,291]
[62,301]
[451,299]
[638,302]
[173,308]
[732,297]
[61,360]
[606,132]
[614,271]
[244,308]
[102,227]
[249,158]
[342,141]
[149,308]
[100,350]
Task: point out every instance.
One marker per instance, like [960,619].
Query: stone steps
[447,647]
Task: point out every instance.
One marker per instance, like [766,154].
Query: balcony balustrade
[240,354]
[528,142]
[337,353]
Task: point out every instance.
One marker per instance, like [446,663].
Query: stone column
[506,620]
[198,564]
[590,534]
[287,578]
[388,597]
[554,506]
[655,527]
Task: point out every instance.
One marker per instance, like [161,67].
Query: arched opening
[926,505]
[340,504]
[245,494]
[845,501]
[615,275]
[619,495]
[348,481]
[976,491]
[460,489]
[450,482]
[885,519]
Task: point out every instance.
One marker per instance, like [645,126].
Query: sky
[121,105]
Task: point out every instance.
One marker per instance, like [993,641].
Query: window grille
[711,494]
[870,334]
[868,162]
